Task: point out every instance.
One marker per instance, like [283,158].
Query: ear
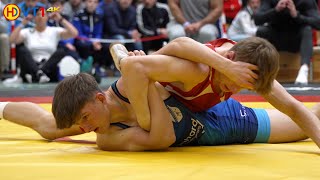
[101,97]
[231,55]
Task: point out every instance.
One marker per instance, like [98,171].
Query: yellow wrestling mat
[25,155]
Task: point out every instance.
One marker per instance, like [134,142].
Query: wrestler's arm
[35,117]
[161,133]
[186,48]
[301,115]
[137,70]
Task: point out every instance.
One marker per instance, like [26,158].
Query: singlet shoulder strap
[123,126]
[115,89]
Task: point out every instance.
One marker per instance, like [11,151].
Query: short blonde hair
[263,54]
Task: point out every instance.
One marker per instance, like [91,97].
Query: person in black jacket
[289,28]
[120,23]
[152,19]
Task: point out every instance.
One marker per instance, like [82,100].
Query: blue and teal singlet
[226,123]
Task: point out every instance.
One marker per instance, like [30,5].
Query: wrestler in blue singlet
[226,123]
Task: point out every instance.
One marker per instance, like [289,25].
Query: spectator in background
[89,24]
[152,19]
[4,43]
[289,28]
[120,23]
[26,7]
[195,19]
[72,7]
[66,44]
[102,4]
[231,9]
[39,59]
[243,25]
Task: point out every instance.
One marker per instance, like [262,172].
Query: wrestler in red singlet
[202,96]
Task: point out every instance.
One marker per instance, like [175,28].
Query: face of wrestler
[226,85]
[94,116]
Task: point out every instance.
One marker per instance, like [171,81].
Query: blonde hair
[263,54]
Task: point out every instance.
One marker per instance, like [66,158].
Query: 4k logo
[11,11]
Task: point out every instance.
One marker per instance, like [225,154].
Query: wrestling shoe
[118,52]
[302,78]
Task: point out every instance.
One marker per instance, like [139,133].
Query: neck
[118,108]
[216,82]
[40,28]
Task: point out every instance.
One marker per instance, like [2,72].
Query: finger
[253,74]
[136,52]
[247,85]
[130,53]
[252,67]
[142,53]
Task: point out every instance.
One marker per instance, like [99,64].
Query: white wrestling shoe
[118,52]
[302,78]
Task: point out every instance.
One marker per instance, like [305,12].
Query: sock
[2,106]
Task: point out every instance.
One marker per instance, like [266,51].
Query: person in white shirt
[40,57]
[243,25]
[4,42]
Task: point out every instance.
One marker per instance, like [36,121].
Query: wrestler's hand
[242,74]
[137,53]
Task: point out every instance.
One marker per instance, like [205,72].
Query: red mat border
[240,97]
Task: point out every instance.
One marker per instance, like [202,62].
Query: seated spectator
[4,44]
[102,4]
[72,7]
[39,58]
[152,19]
[195,19]
[120,23]
[231,8]
[66,44]
[89,24]
[27,7]
[289,28]
[243,25]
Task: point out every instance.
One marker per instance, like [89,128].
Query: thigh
[207,33]
[283,129]
[175,30]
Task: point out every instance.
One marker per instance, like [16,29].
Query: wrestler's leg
[35,117]
[283,129]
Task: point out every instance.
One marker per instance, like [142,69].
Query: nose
[85,128]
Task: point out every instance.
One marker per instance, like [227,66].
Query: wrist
[185,24]
[296,15]
[61,19]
